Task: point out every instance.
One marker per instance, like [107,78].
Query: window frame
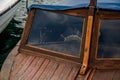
[102,63]
[26,48]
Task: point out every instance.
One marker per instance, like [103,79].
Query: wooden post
[89,25]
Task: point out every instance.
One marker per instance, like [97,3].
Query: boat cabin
[84,35]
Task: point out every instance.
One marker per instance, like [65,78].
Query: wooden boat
[68,43]
[7,11]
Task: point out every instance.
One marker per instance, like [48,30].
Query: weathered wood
[27,28]
[58,72]
[34,70]
[18,60]
[33,67]
[116,75]
[73,73]
[30,52]
[25,75]
[106,75]
[74,12]
[37,68]
[7,66]
[21,68]
[87,76]
[89,26]
[41,70]
[50,71]
[65,72]
[53,53]
[102,63]
[87,45]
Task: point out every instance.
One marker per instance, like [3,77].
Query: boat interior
[60,42]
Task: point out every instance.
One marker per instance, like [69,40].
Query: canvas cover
[71,4]
[67,4]
[109,4]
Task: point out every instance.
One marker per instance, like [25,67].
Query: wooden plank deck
[106,75]
[6,67]
[28,67]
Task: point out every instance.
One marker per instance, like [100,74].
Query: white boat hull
[7,16]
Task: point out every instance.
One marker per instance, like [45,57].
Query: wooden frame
[89,27]
[102,63]
[74,12]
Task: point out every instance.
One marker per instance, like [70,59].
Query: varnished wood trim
[52,53]
[94,38]
[98,25]
[28,46]
[87,45]
[106,64]
[73,12]
[102,63]
[89,26]
[27,28]
[30,52]
[90,74]
[83,40]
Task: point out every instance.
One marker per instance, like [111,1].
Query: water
[8,38]
[11,35]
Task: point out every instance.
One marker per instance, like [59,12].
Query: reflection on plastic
[57,32]
[109,40]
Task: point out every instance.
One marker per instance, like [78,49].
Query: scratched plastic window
[57,32]
[109,39]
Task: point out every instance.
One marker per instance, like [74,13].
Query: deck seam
[22,76]
[54,71]
[39,67]
[27,67]
[19,69]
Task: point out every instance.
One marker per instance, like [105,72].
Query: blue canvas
[69,4]
[72,4]
[109,4]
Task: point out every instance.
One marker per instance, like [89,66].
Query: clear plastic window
[57,32]
[109,39]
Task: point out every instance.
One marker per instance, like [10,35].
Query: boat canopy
[72,4]
[109,4]
[68,4]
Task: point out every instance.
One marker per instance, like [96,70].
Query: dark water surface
[8,39]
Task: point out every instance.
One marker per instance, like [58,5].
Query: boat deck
[28,67]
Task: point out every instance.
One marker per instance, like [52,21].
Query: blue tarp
[109,4]
[56,7]
[71,4]
[68,4]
